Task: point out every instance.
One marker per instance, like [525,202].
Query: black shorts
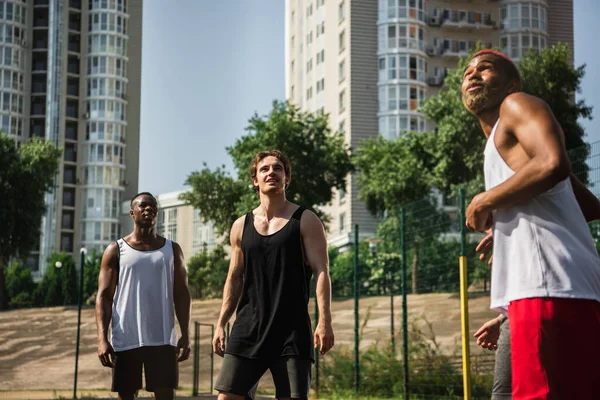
[239,375]
[160,368]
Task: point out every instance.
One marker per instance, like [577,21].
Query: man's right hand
[485,246]
[106,354]
[219,341]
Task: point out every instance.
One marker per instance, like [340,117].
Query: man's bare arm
[541,137]
[588,202]
[107,284]
[233,285]
[315,248]
[183,301]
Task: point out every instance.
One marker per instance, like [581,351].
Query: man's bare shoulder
[111,250]
[521,105]
[309,220]
[237,228]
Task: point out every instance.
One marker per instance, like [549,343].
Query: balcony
[434,20]
[435,80]
[433,51]
[463,20]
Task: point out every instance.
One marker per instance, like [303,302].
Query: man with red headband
[546,271]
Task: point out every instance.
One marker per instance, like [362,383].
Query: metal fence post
[316,349]
[356,294]
[464,301]
[212,359]
[196,359]
[404,305]
[83,251]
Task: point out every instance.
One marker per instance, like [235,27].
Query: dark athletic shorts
[239,375]
[160,368]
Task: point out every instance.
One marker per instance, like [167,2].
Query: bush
[432,373]
[19,285]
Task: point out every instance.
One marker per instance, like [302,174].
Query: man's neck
[273,205]
[488,119]
[144,233]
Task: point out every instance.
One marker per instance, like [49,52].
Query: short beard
[482,101]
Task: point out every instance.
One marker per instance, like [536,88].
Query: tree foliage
[207,272]
[19,285]
[26,173]
[91,271]
[320,162]
[59,284]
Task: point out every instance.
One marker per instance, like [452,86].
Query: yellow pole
[464,322]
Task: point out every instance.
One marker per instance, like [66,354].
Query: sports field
[37,346]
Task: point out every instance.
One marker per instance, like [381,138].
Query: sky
[208,66]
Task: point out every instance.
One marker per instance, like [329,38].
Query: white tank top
[543,247]
[143,312]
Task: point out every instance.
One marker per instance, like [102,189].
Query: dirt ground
[37,346]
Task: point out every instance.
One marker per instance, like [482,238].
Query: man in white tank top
[546,271]
[142,284]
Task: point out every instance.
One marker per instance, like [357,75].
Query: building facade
[370,64]
[179,222]
[71,73]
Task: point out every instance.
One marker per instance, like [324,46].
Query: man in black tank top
[275,249]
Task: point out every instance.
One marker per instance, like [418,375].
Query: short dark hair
[287,166]
[141,194]
[507,65]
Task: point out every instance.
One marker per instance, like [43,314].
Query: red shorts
[555,346]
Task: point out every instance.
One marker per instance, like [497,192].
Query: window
[342,127]
[342,41]
[66,242]
[342,100]
[67,219]
[69,175]
[70,152]
[309,93]
[320,85]
[342,222]
[342,71]
[171,224]
[68,197]
[341,12]
[342,194]
[321,57]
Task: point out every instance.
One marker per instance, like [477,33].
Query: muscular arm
[181,292]
[235,276]
[538,133]
[315,248]
[107,284]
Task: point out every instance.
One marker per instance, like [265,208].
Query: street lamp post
[83,253]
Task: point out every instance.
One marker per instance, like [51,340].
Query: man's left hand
[324,337]
[479,218]
[183,348]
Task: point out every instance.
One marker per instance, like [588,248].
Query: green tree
[207,272]
[341,270]
[27,172]
[320,160]
[59,284]
[91,271]
[19,285]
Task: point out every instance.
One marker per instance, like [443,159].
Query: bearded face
[483,87]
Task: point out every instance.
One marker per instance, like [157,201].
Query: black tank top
[272,318]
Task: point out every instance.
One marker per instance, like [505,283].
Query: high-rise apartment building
[370,64]
[71,73]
